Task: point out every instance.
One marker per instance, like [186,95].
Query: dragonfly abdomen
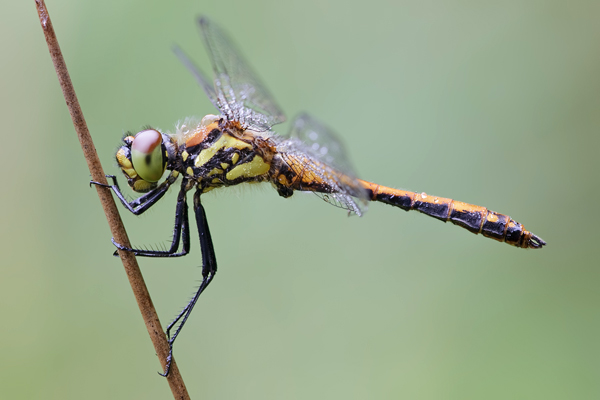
[475,219]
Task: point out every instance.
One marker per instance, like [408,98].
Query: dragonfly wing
[344,202]
[204,82]
[321,144]
[241,96]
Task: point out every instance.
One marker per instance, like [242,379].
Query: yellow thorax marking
[215,171]
[250,169]
[224,142]
[283,180]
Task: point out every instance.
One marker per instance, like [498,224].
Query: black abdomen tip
[536,242]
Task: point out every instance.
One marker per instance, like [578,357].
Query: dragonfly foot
[169,360]
[120,247]
[114,179]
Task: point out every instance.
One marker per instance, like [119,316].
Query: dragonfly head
[143,158]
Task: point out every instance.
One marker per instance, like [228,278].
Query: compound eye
[147,155]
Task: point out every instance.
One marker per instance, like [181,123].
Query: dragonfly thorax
[211,153]
[218,152]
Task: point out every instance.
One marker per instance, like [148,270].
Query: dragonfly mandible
[239,146]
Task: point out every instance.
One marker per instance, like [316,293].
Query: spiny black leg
[209,261]
[142,203]
[182,228]
[209,268]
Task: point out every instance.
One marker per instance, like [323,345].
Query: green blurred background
[494,103]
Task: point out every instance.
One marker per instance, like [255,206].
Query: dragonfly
[239,146]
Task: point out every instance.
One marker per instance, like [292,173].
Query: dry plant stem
[110,209]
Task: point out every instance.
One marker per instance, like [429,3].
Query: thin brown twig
[110,209]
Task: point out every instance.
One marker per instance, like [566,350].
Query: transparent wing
[329,162]
[240,95]
[206,83]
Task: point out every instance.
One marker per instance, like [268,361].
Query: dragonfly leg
[142,203]
[181,230]
[209,268]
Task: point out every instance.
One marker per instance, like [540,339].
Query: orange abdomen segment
[474,218]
